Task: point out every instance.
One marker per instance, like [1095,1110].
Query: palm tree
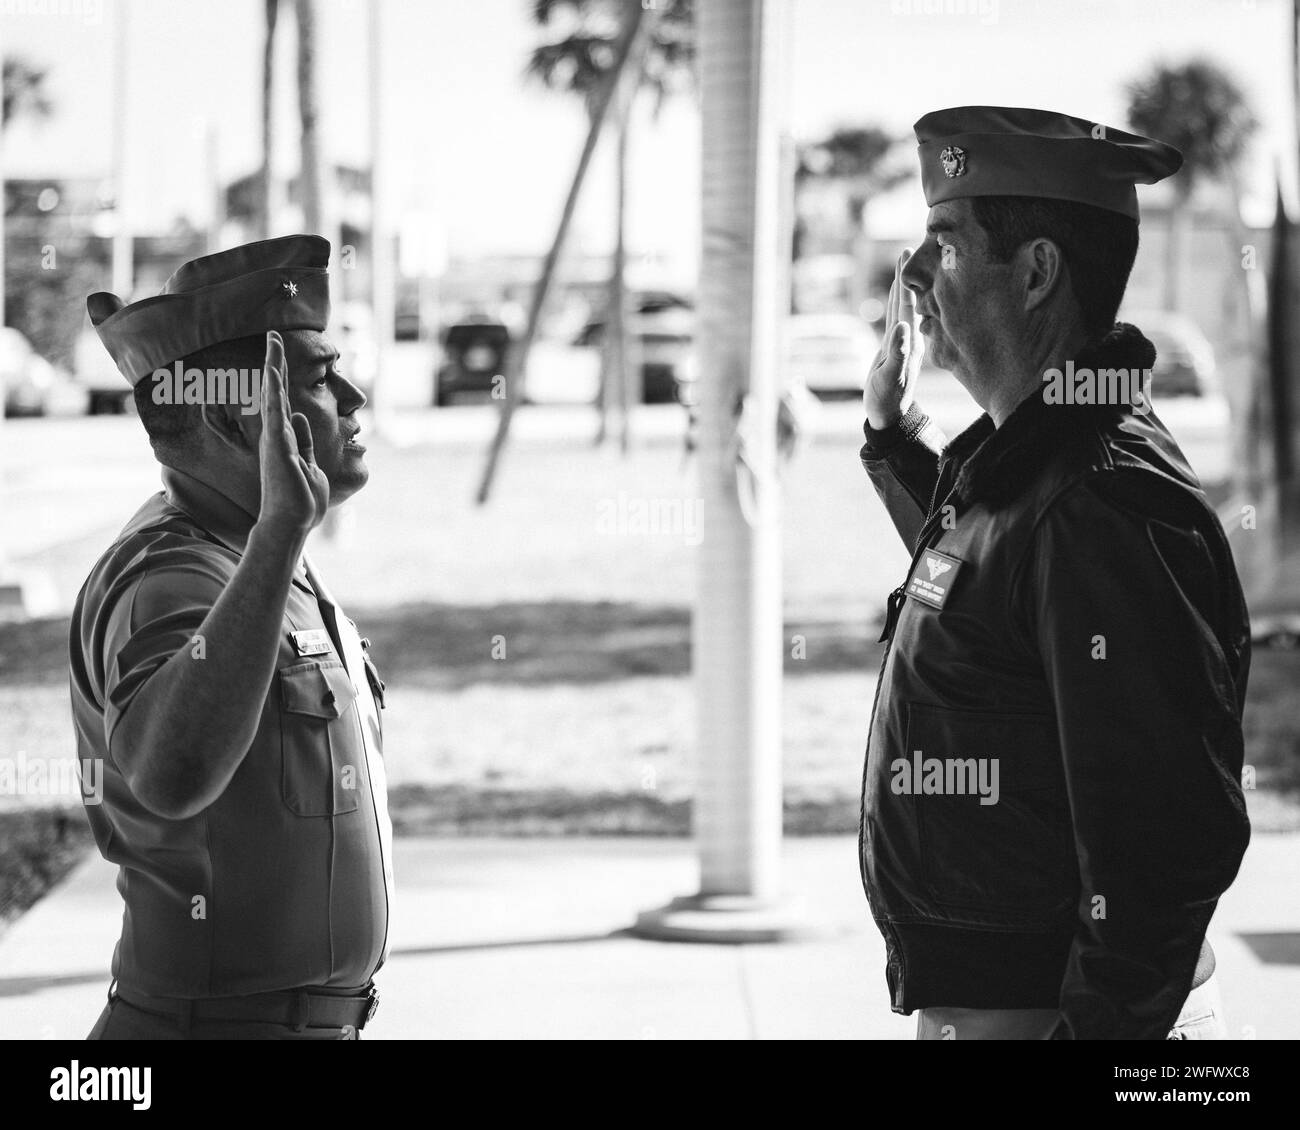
[265,202]
[626,47]
[1198,108]
[858,159]
[311,176]
[24,96]
[576,63]
[311,172]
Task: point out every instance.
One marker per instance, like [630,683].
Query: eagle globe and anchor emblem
[954,160]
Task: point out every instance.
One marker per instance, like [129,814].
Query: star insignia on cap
[954,161]
[289,288]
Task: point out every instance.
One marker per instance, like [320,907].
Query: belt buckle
[372,1006]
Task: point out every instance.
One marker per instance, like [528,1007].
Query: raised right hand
[295,491]
[891,384]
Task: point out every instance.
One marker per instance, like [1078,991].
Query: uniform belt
[294,1008]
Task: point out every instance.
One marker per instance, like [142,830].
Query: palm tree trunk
[737,625]
[621,370]
[1175,246]
[518,356]
[737,644]
[123,243]
[264,202]
[311,175]
[1247,467]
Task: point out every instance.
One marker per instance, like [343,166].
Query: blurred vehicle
[406,326]
[828,354]
[661,326]
[32,386]
[352,330]
[94,371]
[473,353]
[1184,357]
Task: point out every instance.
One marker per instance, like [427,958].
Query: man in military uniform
[1052,802]
[230,701]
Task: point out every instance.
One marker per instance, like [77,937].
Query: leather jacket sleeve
[1131,594]
[903,464]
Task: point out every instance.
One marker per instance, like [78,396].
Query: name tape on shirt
[931,580]
[313,641]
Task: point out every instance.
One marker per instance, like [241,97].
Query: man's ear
[1044,271]
[231,427]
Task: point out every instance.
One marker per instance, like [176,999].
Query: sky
[486,157]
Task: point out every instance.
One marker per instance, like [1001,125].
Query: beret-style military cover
[274,284]
[1011,151]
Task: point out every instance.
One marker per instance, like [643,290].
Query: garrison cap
[274,284]
[1010,151]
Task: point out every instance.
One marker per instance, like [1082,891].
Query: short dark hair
[175,427]
[1098,245]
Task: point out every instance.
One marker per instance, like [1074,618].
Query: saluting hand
[891,383]
[295,491]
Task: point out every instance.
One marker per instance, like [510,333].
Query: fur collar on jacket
[995,464]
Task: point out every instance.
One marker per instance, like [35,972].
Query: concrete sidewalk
[524,939]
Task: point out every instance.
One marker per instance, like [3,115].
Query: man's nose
[350,397]
[918,271]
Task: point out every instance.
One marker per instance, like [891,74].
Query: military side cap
[1009,151]
[274,284]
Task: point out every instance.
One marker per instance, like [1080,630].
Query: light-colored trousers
[1200,1019]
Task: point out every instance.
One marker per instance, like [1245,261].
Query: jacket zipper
[893,608]
[894,605]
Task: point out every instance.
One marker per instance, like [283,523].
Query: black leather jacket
[1072,622]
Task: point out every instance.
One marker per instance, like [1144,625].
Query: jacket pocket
[993,820]
[320,742]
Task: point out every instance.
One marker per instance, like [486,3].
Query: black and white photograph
[650,520]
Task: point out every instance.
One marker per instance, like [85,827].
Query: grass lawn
[586,722]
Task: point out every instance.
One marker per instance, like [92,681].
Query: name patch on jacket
[932,579]
[313,641]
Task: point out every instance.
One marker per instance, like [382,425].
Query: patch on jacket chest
[313,641]
[932,579]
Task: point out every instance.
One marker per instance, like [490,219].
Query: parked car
[1184,357]
[94,371]
[825,355]
[473,353]
[828,354]
[661,325]
[32,386]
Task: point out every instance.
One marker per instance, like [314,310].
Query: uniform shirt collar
[216,513]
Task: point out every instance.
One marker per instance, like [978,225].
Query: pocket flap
[323,690]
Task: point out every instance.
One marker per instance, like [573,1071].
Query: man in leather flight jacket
[1052,802]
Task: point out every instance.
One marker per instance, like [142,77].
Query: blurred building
[58,236]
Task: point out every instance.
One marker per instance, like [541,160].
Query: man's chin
[345,482]
[936,355]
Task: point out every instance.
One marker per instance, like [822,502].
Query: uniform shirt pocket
[320,739]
